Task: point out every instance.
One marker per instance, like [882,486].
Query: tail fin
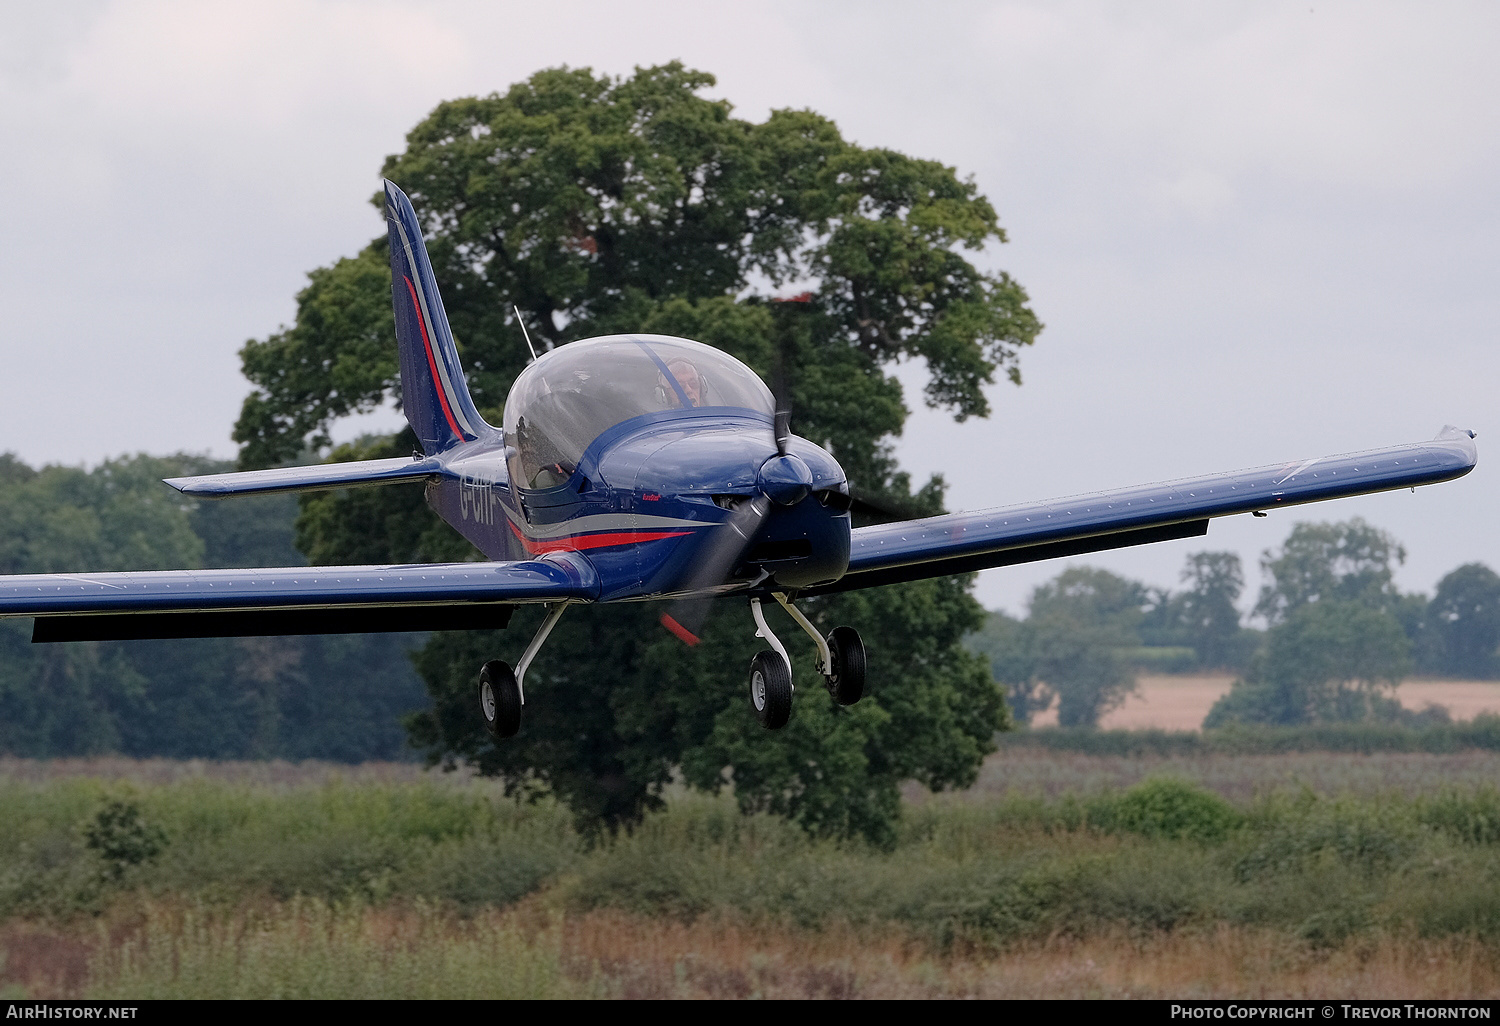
[433,393]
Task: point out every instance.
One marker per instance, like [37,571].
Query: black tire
[770,690]
[846,677]
[499,699]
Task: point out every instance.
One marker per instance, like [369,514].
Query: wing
[290,600]
[961,542]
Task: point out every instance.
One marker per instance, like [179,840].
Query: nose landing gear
[841,661]
[771,689]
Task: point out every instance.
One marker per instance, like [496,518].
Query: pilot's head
[688,378]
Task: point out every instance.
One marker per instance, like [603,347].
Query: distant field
[1180,701]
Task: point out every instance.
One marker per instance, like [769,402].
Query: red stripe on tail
[437,381]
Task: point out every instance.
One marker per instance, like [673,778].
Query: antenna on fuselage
[524,333]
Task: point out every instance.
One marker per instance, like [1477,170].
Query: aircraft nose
[784,479]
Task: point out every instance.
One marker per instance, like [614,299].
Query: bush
[1168,808]
[1473,818]
[123,839]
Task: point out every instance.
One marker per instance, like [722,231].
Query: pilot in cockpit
[687,379]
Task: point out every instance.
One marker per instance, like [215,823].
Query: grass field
[1061,874]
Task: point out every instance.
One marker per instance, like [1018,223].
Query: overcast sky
[1255,233]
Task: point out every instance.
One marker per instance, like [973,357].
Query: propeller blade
[730,542]
[687,615]
[783,428]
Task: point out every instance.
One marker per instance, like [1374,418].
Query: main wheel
[846,677]
[771,690]
[499,699]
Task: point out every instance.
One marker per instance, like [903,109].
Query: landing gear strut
[501,696]
[841,661]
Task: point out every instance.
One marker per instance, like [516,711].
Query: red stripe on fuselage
[437,381]
[604,539]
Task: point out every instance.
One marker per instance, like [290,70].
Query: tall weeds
[231,889]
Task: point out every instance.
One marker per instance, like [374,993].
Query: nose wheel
[771,689]
[841,661]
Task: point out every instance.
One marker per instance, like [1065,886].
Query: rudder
[434,396]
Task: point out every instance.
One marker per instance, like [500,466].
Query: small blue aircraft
[639,468]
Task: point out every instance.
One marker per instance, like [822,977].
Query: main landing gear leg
[841,661]
[841,656]
[500,693]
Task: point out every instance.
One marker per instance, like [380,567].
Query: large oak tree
[602,205]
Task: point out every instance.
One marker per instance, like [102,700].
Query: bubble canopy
[567,398]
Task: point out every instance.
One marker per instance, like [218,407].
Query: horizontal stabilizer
[319,477]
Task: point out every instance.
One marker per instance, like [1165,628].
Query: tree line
[1338,635]
[339,698]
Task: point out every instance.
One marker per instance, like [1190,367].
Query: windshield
[569,397]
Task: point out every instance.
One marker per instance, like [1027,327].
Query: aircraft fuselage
[647,498]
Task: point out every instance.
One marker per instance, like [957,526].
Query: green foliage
[1161,855]
[622,704]
[1169,808]
[336,360]
[1006,643]
[1329,661]
[1472,817]
[1481,733]
[116,517]
[361,526]
[1344,562]
[1465,617]
[1209,605]
[1203,616]
[338,843]
[1088,631]
[1340,635]
[1296,833]
[122,838]
[335,697]
[1082,626]
[1163,659]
